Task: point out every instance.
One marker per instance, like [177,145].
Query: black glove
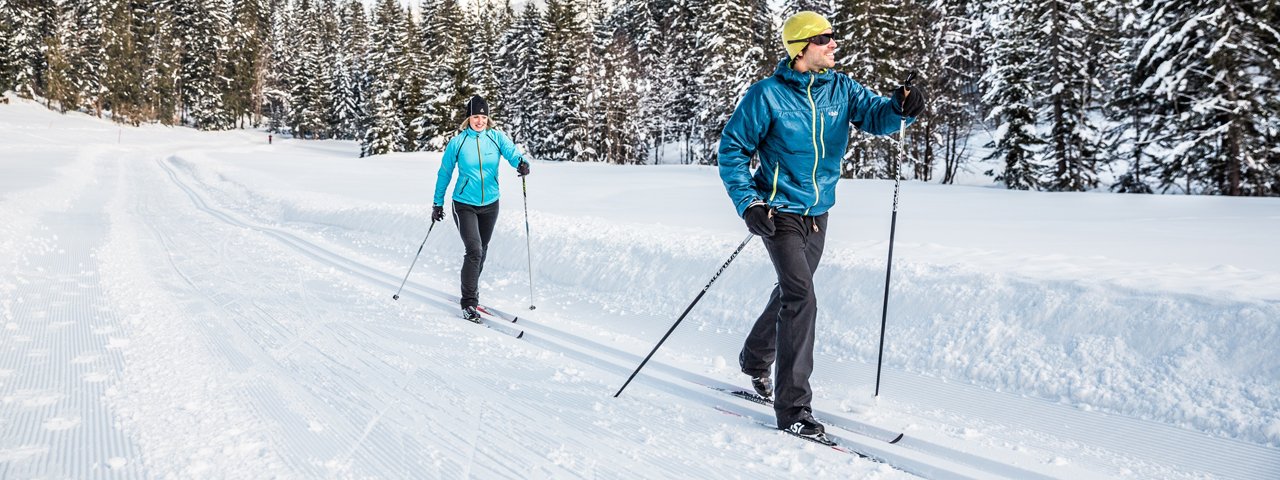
[914,104]
[522,168]
[437,213]
[759,220]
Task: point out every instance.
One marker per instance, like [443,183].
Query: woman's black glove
[522,168]
[437,213]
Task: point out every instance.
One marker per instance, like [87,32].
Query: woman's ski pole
[415,260]
[528,243]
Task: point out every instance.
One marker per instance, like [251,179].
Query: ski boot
[470,314]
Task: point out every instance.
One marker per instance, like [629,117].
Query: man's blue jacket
[798,124]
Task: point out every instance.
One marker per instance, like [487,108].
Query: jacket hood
[788,76]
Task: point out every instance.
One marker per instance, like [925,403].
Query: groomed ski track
[159,322]
[1123,446]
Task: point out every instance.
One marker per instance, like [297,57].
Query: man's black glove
[437,213]
[522,168]
[914,104]
[759,220]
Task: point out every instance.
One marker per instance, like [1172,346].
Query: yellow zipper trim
[813,130]
[775,182]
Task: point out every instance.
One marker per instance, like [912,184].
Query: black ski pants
[475,224]
[785,330]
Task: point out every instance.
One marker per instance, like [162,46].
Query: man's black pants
[785,331]
[475,224]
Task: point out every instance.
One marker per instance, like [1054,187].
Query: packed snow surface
[185,304]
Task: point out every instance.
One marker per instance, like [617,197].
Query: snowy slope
[207,305]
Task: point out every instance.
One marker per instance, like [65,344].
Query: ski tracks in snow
[932,454]
[253,351]
[675,382]
[61,351]
[505,439]
[217,305]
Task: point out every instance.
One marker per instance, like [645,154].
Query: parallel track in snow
[915,455]
[60,354]
[920,458]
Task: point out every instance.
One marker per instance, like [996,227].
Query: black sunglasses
[821,39]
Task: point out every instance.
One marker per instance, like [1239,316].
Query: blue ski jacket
[475,155]
[798,125]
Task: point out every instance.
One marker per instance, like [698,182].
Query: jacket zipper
[480,162]
[813,130]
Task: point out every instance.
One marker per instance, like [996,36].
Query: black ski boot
[805,426]
[763,386]
[470,314]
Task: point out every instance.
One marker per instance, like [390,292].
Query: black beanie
[477,106]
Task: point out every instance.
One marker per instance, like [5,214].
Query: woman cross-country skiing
[475,153]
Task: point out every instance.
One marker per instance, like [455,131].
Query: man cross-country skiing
[797,123]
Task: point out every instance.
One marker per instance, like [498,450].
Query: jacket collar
[801,80]
[472,133]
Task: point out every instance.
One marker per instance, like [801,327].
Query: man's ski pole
[686,312]
[893,223]
[415,260]
[528,248]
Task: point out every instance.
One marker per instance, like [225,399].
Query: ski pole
[893,223]
[528,248]
[686,312]
[415,260]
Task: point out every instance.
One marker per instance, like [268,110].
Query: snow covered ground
[204,305]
